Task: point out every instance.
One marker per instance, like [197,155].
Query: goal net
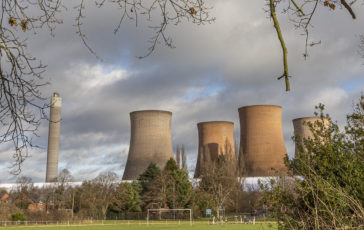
[169,214]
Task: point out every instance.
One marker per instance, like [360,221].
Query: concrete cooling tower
[150,141]
[262,146]
[53,138]
[214,138]
[302,129]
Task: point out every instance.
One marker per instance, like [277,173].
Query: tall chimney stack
[53,138]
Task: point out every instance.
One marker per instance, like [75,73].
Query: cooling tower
[214,138]
[261,140]
[150,141]
[302,129]
[53,138]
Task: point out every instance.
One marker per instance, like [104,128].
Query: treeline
[105,197]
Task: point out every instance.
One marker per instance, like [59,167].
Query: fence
[237,219]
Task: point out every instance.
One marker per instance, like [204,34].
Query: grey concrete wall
[150,141]
[214,138]
[53,138]
[262,146]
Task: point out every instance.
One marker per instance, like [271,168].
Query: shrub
[18,216]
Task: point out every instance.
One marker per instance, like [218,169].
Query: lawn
[136,226]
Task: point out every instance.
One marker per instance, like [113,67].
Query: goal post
[185,213]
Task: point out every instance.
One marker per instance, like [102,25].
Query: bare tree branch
[283,44]
[21,107]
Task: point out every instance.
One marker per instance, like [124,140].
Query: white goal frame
[167,210]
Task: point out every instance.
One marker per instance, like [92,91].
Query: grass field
[135,226]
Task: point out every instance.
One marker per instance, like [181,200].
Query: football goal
[169,214]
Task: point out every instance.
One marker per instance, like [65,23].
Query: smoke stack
[261,140]
[150,141]
[302,129]
[53,138]
[214,138]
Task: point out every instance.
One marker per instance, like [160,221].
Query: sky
[213,70]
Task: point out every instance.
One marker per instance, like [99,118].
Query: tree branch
[283,45]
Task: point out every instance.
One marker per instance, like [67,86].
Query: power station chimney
[302,129]
[261,140]
[214,138]
[150,141]
[53,138]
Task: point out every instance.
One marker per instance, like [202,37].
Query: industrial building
[302,129]
[53,137]
[214,138]
[262,148]
[150,141]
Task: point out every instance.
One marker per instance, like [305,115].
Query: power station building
[53,138]
[214,138]
[150,141]
[262,148]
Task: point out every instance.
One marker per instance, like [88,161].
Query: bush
[7,210]
[18,216]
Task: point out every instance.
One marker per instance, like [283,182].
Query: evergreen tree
[126,198]
[171,165]
[178,157]
[184,159]
[147,176]
[171,188]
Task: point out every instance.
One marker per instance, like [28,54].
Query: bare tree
[21,82]
[65,176]
[105,186]
[219,180]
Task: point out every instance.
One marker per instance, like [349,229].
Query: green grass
[136,226]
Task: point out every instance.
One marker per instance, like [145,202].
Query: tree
[23,192]
[105,183]
[62,194]
[94,197]
[157,191]
[126,198]
[64,176]
[178,157]
[218,182]
[171,188]
[147,176]
[328,191]
[8,209]
[183,192]
[21,101]
[184,159]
